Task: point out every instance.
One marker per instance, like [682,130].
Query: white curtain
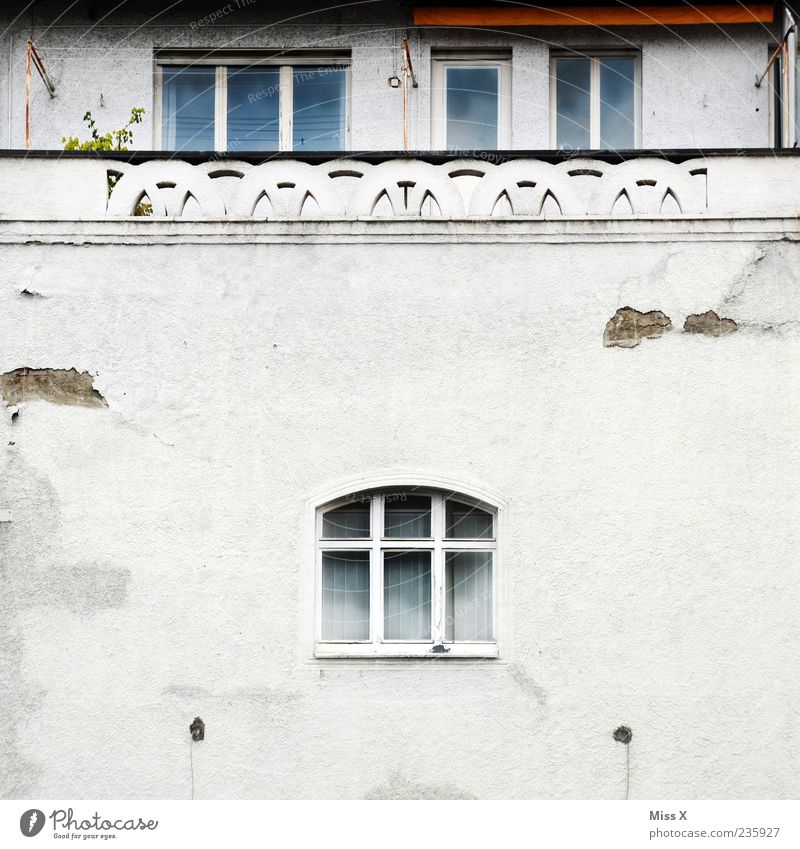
[345,595]
[468,601]
[409,518]
[349,521]
[407,595]
[465,522]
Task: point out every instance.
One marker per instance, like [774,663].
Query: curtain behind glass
[345,595]
[407,516]
[466,522]
[468,596]
[350,520]
[187,107]
[407,595]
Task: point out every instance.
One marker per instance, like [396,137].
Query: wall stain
[36,573]
[399,787]
[265,695]
[528,685]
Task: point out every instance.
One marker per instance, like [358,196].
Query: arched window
[406,572]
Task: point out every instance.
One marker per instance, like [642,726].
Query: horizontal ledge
[144,233]
[571,16]
[333,651]
[231,231]
[436,157]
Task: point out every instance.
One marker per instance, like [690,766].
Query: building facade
[414,402]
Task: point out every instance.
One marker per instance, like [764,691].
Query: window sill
[405,650]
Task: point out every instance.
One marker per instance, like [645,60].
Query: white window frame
[782,94]
[376,646]
[594,56]
[222,61]
[439,65]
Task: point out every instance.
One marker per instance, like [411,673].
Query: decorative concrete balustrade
[40,187]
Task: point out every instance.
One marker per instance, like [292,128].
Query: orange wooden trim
[570,16]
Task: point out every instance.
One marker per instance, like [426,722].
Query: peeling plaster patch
[627,327]
[709,323]
[398,787]
[59,386]
[528,685]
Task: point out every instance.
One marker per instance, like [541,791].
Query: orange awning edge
[570,16]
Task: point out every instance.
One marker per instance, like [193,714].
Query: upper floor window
[595,101]
[241,103]
[406,572]
[783,114]
[471,108]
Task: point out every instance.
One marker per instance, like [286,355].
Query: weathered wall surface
[698,82]
[156,565]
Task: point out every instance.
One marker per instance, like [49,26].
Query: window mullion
[376,570]
[286,107]
[595,104]
[438,630]
[221,109]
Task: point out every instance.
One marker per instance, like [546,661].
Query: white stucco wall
[698,82]
[157,565]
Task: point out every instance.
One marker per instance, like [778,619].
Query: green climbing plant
[112,140]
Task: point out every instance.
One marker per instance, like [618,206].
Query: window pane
[407,595]
[253,108]
[319,108]
[468,596]
[466,522]
[350,520]
[573,103]
[407,516]
[188,107]
[472,107]
[345,595]
[617,103]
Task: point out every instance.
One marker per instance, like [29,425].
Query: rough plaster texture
[698,82]
[158,567]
